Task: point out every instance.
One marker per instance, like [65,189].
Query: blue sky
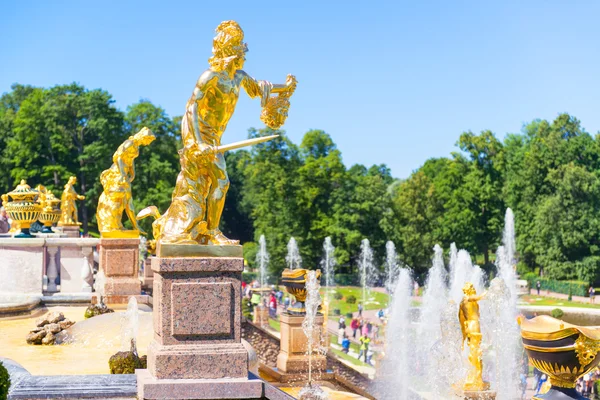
[392,82]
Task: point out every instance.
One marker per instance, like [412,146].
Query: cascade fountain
[129,324]
[368,274]
[453,254]
[293,258]
[423,353]
[392,269]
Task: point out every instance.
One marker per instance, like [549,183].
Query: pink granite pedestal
[119,263]
[197,352]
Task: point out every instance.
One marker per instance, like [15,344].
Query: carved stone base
[292,358]
[152,388]
[71,231]
[479,395]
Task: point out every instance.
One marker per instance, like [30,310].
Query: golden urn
[294,281]
[562,351]
[23,208]
[50,214]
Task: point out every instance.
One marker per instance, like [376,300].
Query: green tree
[157,165]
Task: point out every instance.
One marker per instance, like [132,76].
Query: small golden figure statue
[68,208]
[468,315]
[199,196]
[116,182]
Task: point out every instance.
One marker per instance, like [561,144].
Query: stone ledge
[205,264]
[79,242]
[197,250]
[158,389]
[21,242]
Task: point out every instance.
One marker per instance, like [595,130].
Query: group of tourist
[272,301]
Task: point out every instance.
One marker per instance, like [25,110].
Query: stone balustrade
[66,262]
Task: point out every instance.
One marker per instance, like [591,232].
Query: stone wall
[267,349]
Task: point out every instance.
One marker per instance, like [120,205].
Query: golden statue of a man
[116,182]
[199,195]
[68,206]
[468,315]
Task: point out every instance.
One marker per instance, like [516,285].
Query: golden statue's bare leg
[216,202]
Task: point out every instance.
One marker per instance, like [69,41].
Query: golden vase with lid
[21,206]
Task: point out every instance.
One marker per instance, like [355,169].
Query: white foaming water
[435,298]
[392,269]
[368,274]
[262,259]
[463,273]
[395,372]
[293,258]
[310,329]
[453,258]
[504,330]
[129,324]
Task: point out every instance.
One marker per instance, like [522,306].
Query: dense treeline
[548,174]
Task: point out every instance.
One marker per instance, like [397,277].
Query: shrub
[336,311]
[576,288]
[351,299]
[349,315]
[338,295]
[557,313]
[4,382]
[246,309]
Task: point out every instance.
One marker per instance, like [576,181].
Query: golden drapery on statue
[68,205]
[116,181]
[199,196]
[468,314]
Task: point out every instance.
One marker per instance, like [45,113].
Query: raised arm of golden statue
[199,196]
[68,207]
[116,181]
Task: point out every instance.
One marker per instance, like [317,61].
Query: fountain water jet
[394,373]
[262,259]
[392,269]
[293,258]
[311,330]
[368,273]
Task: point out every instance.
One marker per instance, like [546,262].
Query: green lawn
[273,323]
[549,301]
[377,300]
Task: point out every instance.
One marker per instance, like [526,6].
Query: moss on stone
[125,362]
[4,382]
[97,309]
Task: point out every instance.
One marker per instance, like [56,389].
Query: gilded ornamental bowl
[23,208]
[50,214]
[562,351]
[294,281]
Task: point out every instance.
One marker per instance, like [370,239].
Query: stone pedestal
[119,264]
[76,260]
[21,266]
[197,351]
[293,358]
[261,315]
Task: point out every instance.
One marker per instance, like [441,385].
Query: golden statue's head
[228,47]
[469,289]
[144,137]
[72,180]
